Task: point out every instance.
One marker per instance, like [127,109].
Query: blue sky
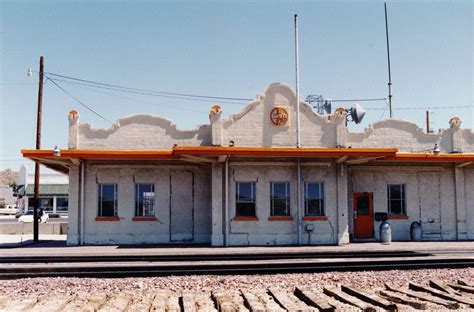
[231,49]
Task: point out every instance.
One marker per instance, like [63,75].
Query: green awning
[48,189]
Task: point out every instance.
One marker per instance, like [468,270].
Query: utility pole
[38,146]
[428,122]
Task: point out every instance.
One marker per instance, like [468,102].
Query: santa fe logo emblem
[279,116]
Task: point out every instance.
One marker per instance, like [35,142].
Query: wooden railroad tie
[370,298]
[440,285]
[314,299]
[438,293]
[393,296]
[426,297]
[341,296]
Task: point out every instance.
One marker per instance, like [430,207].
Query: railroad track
[145,266]
[437,295]
[217,256]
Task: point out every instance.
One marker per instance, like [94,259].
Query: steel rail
[243,267]
[211,257]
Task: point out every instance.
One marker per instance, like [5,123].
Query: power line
[414,108]
[143,93]
[135,99]
[150,91]
[79,101]
[359,100]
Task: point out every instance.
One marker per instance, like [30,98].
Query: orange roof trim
[386,154]
[99,154]
[281,151]
[212,151]
[431,157]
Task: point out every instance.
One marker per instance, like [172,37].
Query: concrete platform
[55,245]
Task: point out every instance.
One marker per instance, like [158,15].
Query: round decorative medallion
[279,116]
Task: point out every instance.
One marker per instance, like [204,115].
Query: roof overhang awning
[204,154]
[208,154]
[465,159]
[65,158]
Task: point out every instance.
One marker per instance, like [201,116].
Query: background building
[53,190]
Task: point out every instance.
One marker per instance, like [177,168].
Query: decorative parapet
[141,132]
[215,117]
[260,122]
[340,117]
[455,126]
[404,135]
[73,129]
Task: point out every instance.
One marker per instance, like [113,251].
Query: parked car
[28,217]
[9,210]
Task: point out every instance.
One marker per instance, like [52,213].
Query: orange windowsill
[144,219]
[245,219]
[107,219]
[315,218]
[282,218]
[397,217]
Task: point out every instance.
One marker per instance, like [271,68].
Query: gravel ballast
[366,280]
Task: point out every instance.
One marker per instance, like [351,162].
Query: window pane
[363,205]
[395,191]
[396,199]
[108,191]
[108,209]
[280,198]
[244,191]
[312,190]
[62,204]
[315,207]
[279,190]
[144,199]
[46,203]
[245,199]
[314,199]
[31,202]
[107,200]
[280,207]
[245,210]
[396,207]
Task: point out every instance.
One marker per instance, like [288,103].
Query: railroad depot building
[233,181]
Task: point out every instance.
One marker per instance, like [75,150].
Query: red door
[363,215]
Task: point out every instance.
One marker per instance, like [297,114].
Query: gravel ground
[82,287]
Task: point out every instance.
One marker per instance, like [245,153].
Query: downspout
[298,200]
[81,235]
[226,207]
[298,137]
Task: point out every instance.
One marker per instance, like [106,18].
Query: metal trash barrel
[415,231]
[385,233]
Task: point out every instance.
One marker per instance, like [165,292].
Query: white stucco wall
[266,232]
[429,199]
[192,211]
[469,191]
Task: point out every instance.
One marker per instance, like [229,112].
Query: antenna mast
[388,60]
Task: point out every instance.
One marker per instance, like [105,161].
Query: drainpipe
[226,209]
[298,200]
[81,235]
[298,137]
